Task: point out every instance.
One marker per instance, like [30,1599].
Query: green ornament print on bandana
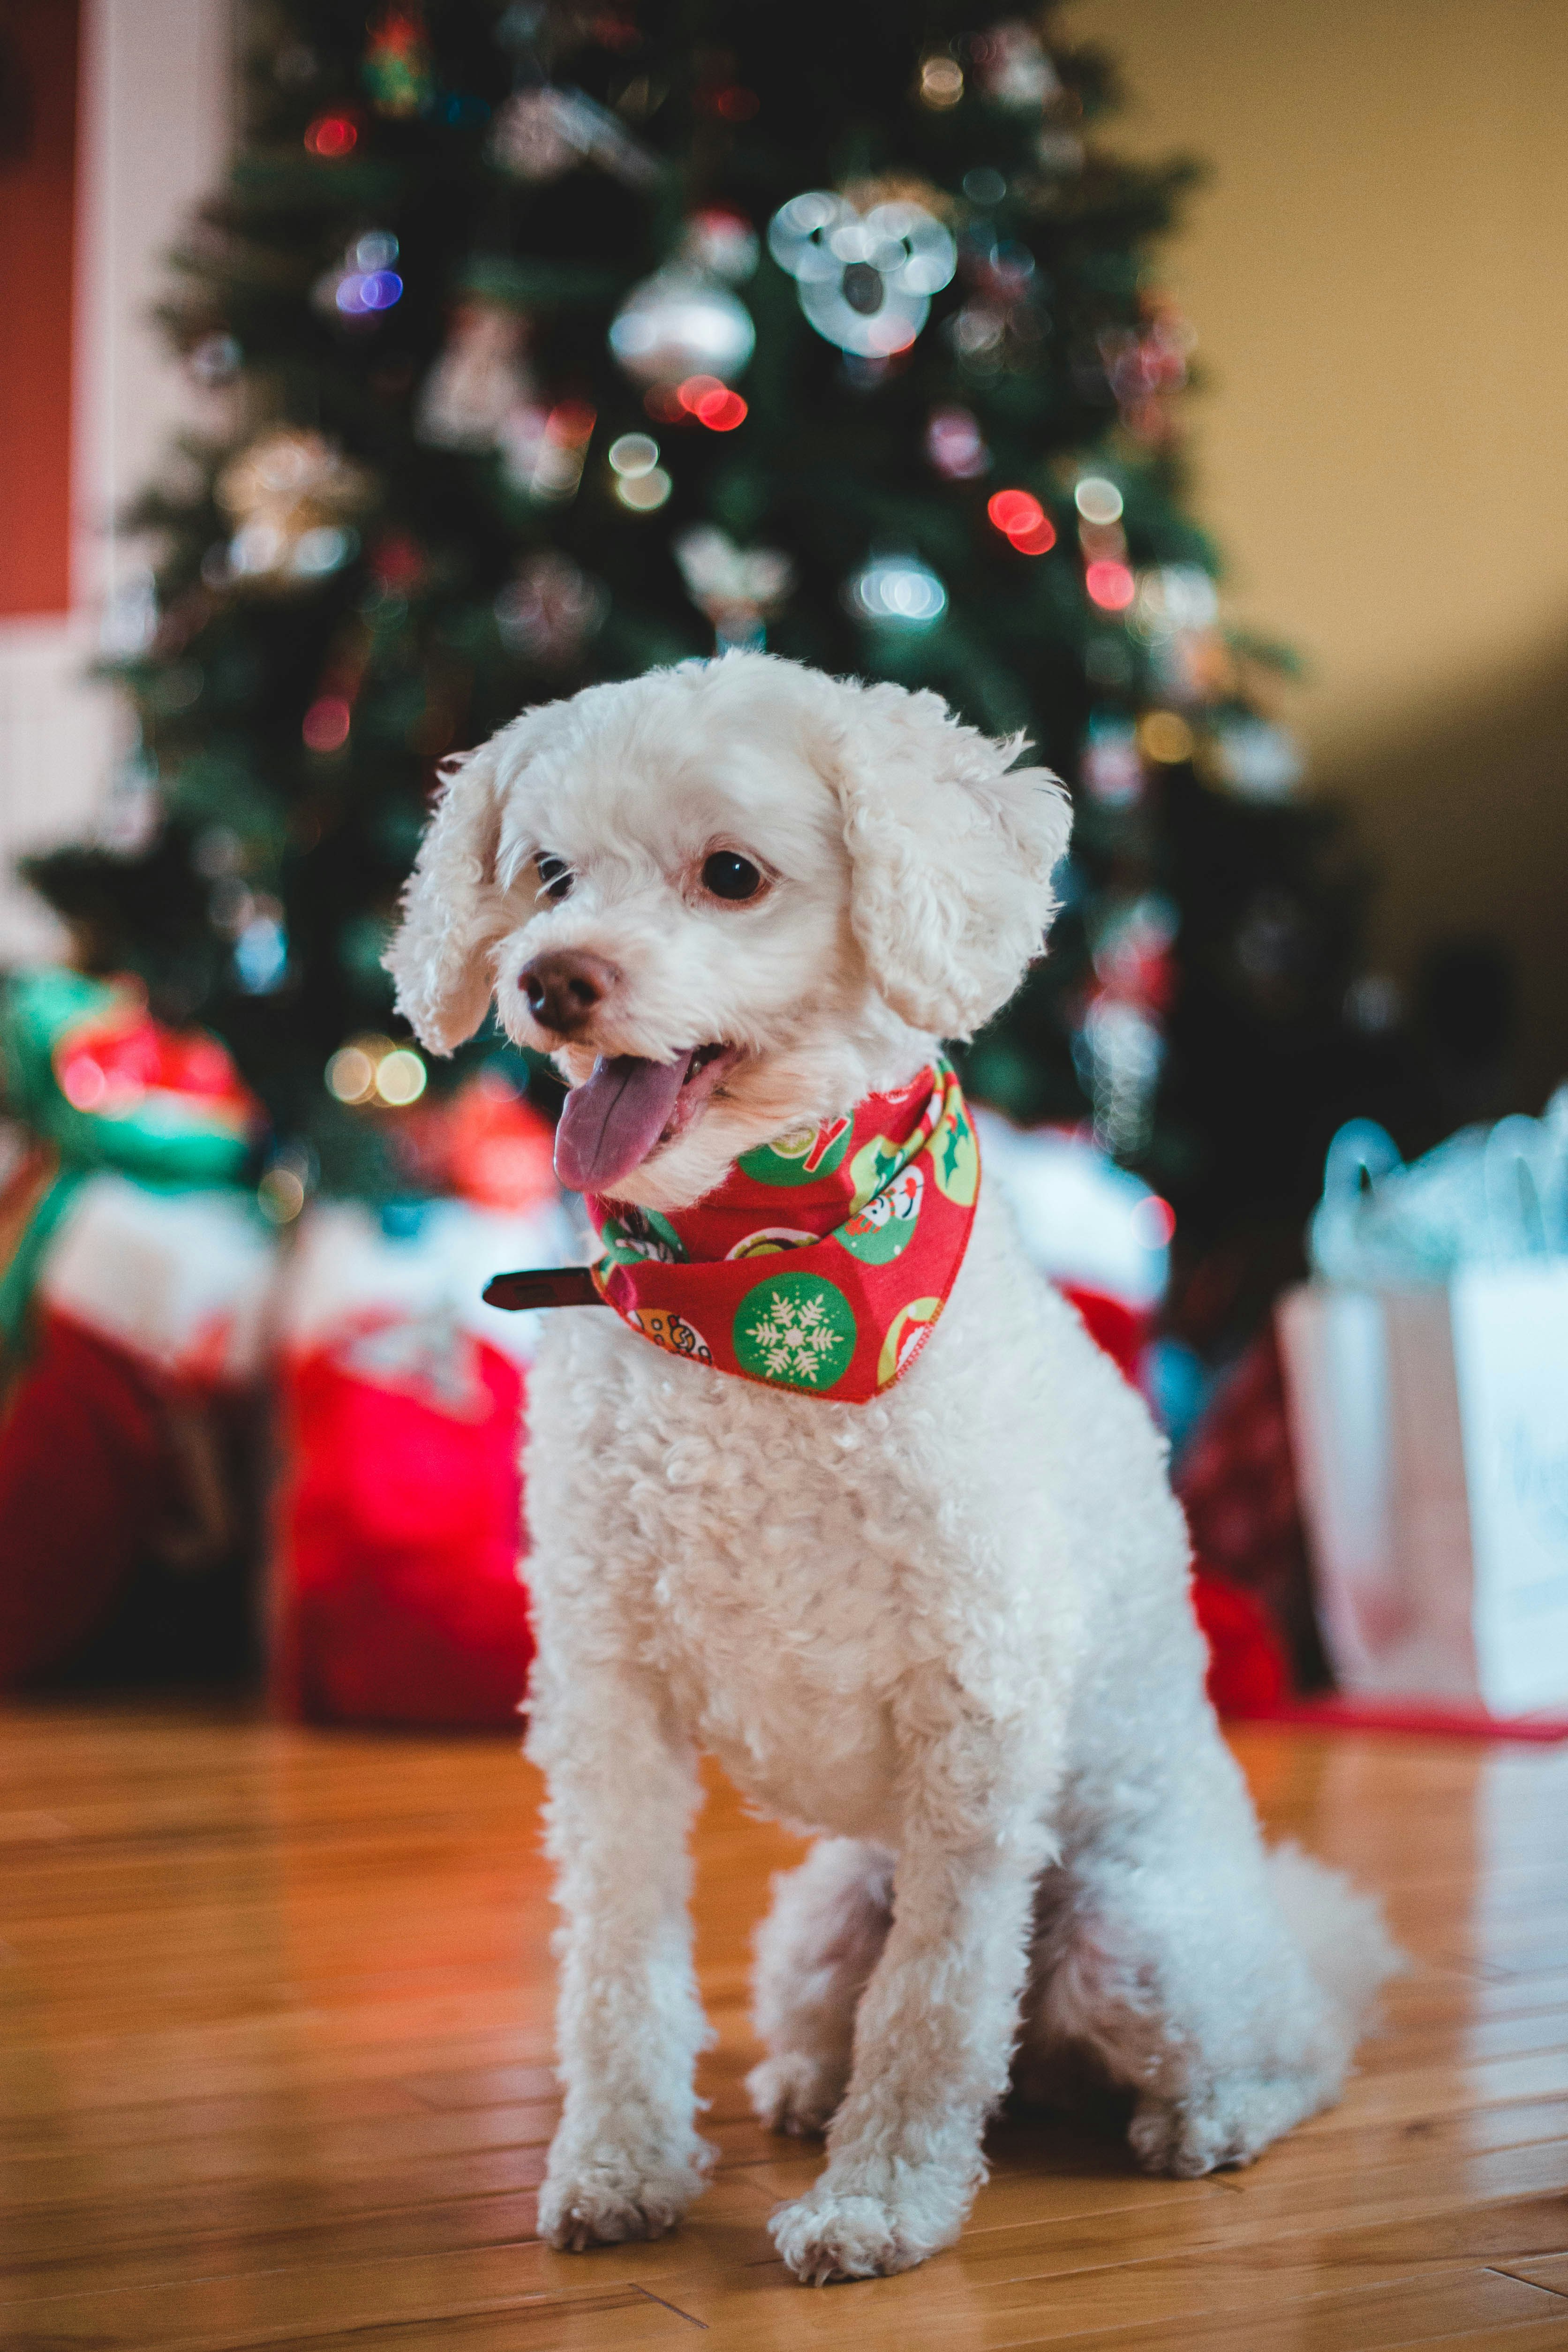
[831,1290]
[796,1329]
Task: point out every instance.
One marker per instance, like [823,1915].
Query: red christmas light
[722,411]
[331,135]
[1023,520]
[327,724]
[1038,539]
[1111,585]
[1013,510]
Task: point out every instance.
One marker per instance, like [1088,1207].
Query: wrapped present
[397,1588]
[135,1273]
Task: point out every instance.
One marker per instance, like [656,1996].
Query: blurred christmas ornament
[541,134]
[365,283]
[476,388]
[720,242]
[1109,768]
[1119,1047]
[543,450]
[290,492]
[215,360]
[1173,598]
[1258,761]
[1012,67]
[682,323]
[397,68]
[1133,938]
[551,611]
[896,592]
[1119,1050]
[864,281]
[738,588]
[1146,366]
[955,445]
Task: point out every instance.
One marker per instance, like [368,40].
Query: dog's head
[730,899]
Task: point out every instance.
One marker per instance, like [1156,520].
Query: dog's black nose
[564,987]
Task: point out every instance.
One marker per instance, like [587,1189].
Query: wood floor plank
[275,2069]
[1552,2273]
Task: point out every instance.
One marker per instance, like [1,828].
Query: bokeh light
[722,411]
[1097,499]
[896,592]
[942,82]
[644,493]
[351,1074]
[282,1193]
[1022,520]
[634,454]
[1166,737]
[327,723]
[331,135]
[401,1078]
[1111,586]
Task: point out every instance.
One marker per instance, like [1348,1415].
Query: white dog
[947,1630]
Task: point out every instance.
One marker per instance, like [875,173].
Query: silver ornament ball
[678,323]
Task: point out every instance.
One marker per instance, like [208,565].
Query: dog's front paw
[602,2197]
[828,2234]
[795,2093]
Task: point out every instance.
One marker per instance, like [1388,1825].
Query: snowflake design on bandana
[795,1329]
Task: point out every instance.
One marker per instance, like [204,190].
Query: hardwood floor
[275,2014]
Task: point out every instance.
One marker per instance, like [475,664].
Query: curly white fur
[949,1631]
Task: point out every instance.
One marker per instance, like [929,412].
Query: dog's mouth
[629,1109]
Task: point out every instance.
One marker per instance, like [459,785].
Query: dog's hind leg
[816,1952]
[1192,1979]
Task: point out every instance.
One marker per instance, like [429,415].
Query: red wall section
[37,220]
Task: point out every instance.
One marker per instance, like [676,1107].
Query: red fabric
[1422,1719]
[1248,1671]
[84,1477]
[120,1061]
[1121,1330]
[861,1225]
[400,1529]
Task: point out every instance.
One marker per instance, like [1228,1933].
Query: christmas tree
[568,336]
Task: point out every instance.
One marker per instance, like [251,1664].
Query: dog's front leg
[626,2159]
[934,2035]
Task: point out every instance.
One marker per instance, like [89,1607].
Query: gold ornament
[291,493]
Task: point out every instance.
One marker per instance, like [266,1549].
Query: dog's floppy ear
[452,910]
[952,849]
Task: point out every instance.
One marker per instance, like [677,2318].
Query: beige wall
[1378,273]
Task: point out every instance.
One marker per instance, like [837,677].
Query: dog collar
[822,1260]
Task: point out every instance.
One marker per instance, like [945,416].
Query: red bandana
[871,1213]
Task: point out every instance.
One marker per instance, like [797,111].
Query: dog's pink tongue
[609,1126]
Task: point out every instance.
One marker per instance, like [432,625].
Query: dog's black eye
[728,875]
[554,877]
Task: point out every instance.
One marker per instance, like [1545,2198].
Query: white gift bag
[1427,1388]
